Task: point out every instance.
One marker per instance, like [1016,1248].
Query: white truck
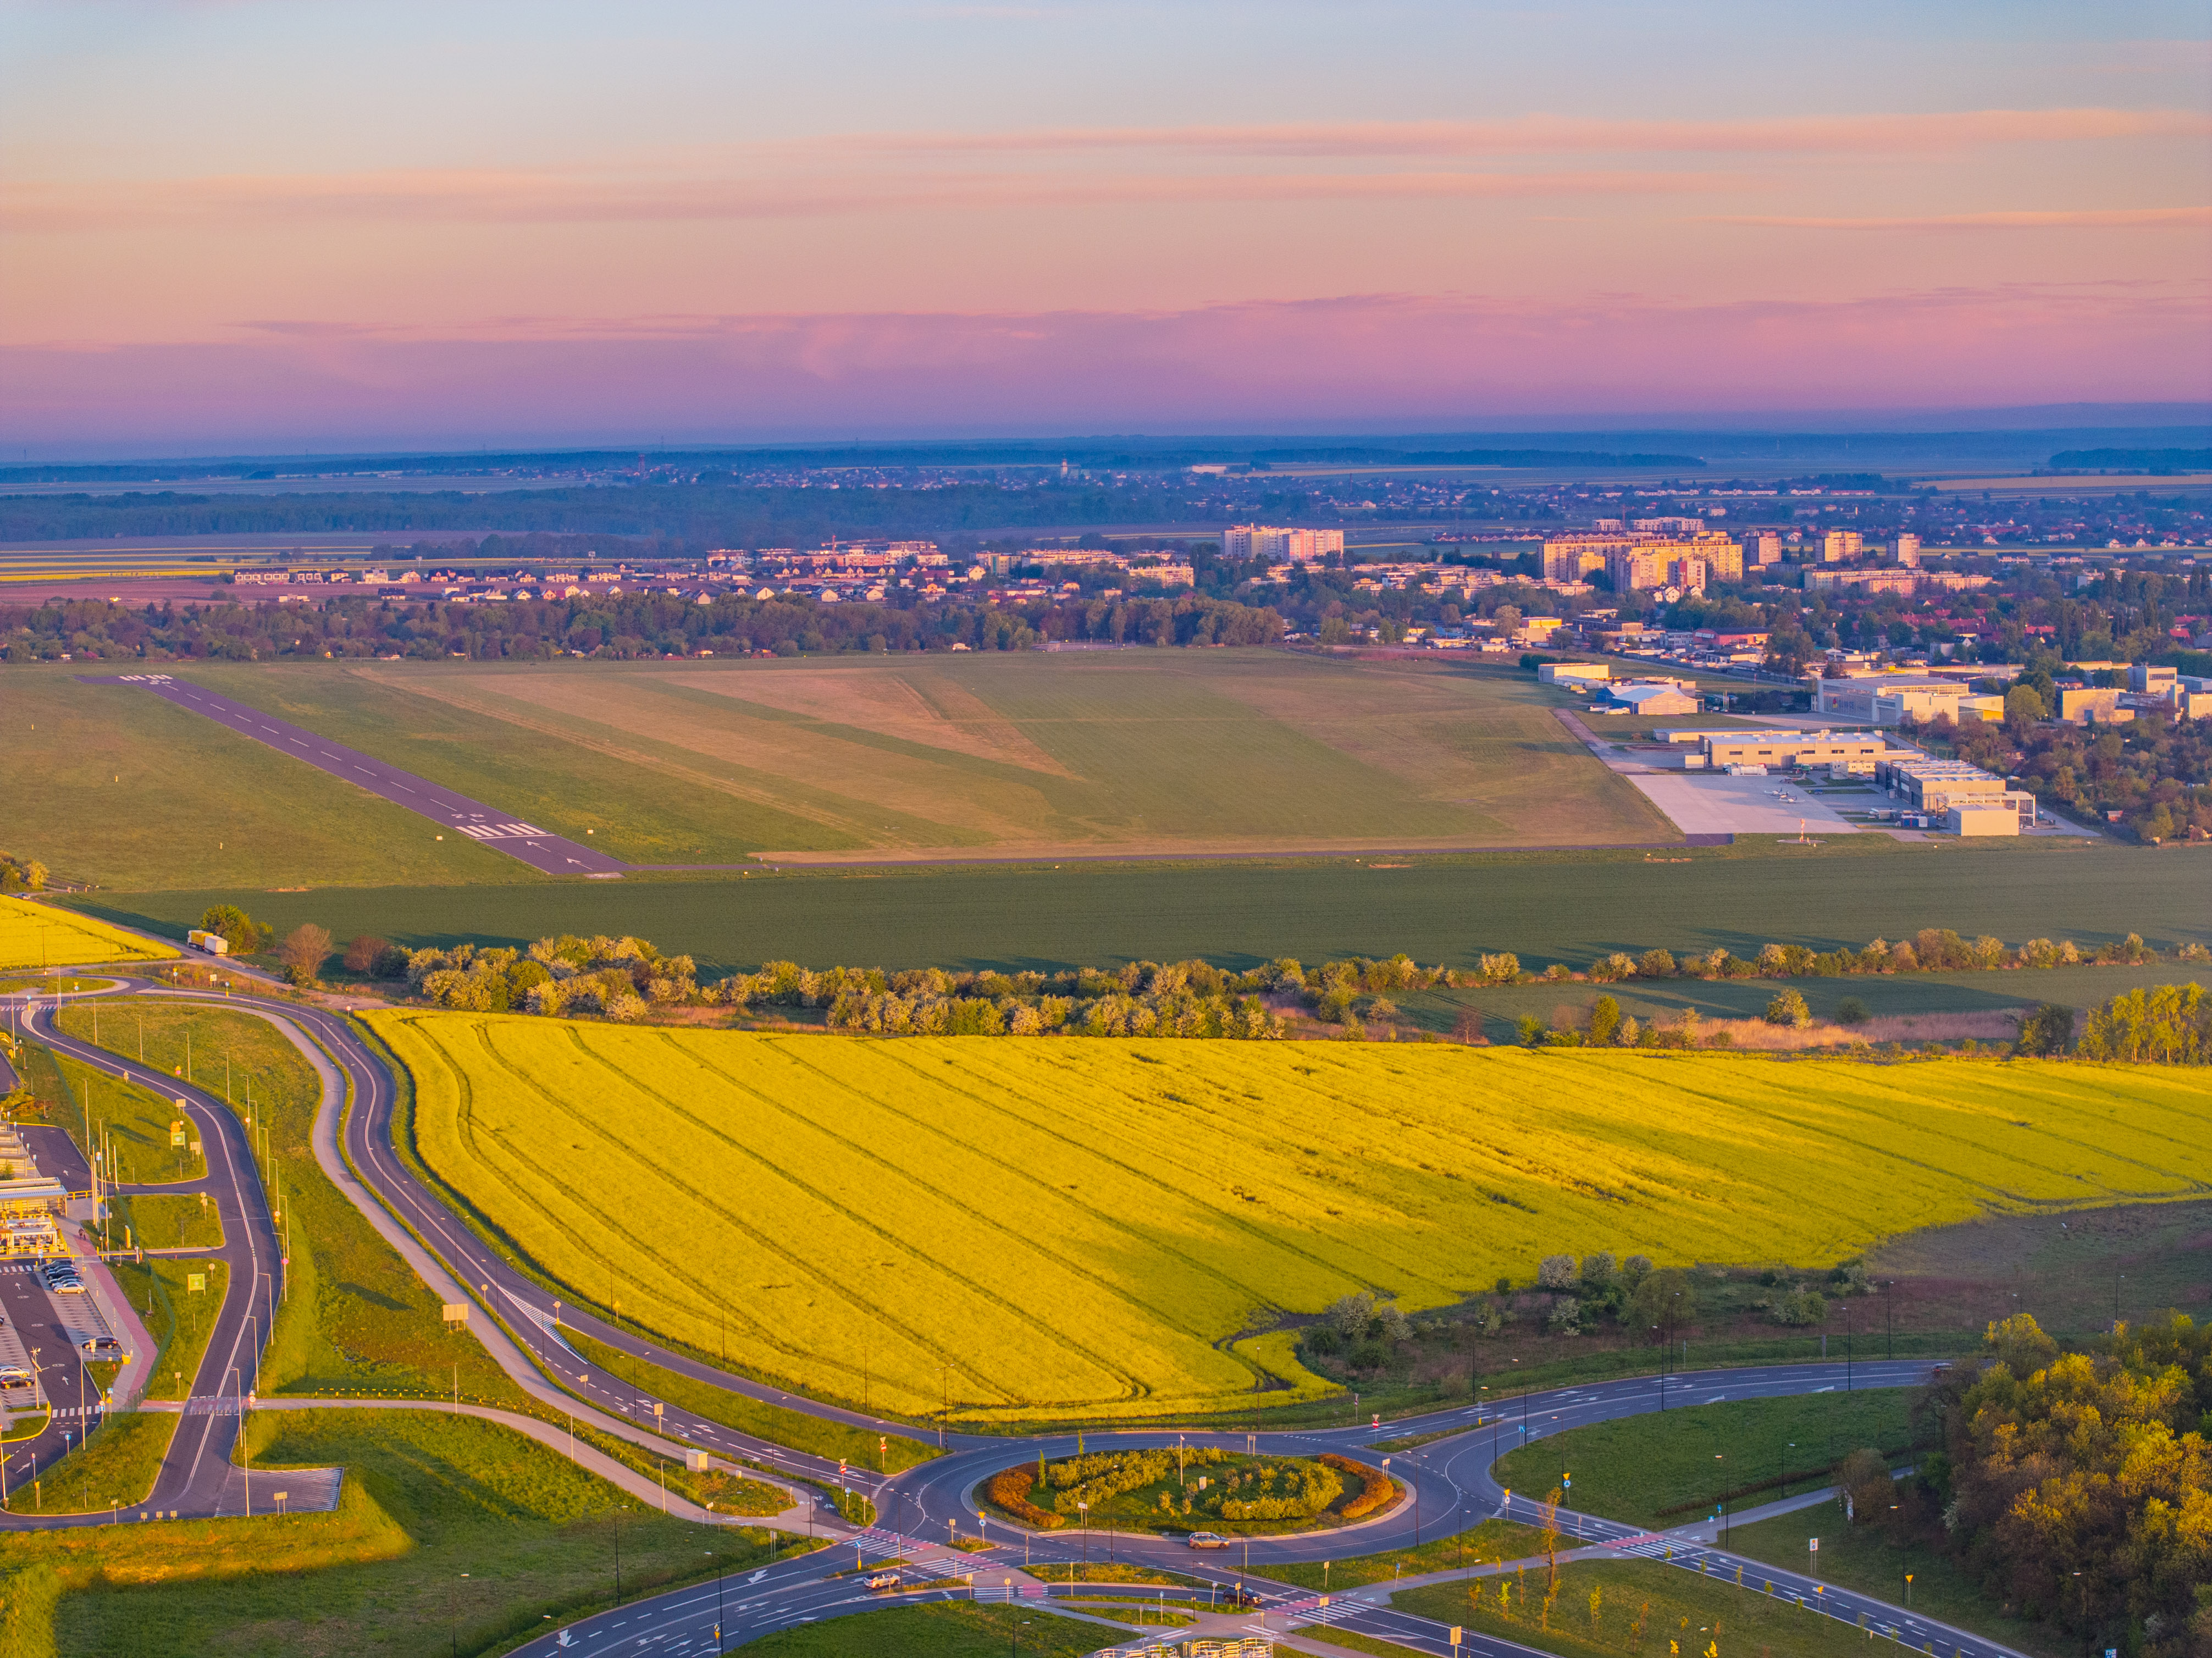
[213,943]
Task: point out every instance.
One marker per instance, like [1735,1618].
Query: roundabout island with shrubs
[1174,1491]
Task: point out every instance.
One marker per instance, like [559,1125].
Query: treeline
[2076,1486]
[621,627]
[696,516]
[626,978]
[21,874]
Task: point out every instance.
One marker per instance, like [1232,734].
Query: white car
[1209,1539]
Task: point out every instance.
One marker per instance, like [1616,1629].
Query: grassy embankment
[1662,1470]
[356,1319]
[1491,1540]
[1111,1278]
[42,935]
[426,1500]
[894,1454]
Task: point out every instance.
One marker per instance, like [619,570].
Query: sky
[231,224]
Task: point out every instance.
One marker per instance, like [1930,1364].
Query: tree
[361,954]
[2022,702]
[1604,1020]
[1664,1300]
[245,935]
[1851,1011]
[306,948]
[1788,1008]
[2047,1032]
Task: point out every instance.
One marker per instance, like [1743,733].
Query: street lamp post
[722,1572]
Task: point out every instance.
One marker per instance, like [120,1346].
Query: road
[922,1510]
[453,813]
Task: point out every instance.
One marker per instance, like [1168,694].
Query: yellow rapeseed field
[1073,1227]
[40,935]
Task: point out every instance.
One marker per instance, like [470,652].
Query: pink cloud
[1947,130]
[2117,218]
[555,197]
[1353,360]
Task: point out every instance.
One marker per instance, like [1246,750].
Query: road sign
[456,1312]
[196,1283]
[1455,1634]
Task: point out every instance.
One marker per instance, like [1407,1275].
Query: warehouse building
[1858,752]
[1935,788]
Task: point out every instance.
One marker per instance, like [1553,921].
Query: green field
[1642,1609]
[426,1500]
[43,935]
[1075,1228]
[1861,1558]
[356,1319]
[1668,1470]
[166,1223]
[1491,1540]
[116,1467]
[179,1318]
[712,762]
[135,1123]
[1574,907]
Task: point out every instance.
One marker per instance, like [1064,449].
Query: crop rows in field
[40,935]
[1084,1227]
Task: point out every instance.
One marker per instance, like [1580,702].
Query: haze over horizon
[256,227]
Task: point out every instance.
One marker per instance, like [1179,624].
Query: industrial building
[1573,673]
[1858,752]
[1650,697]
[1892,699]
[1934,787]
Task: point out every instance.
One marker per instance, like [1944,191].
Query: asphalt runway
[550,854]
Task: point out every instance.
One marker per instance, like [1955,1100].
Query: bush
[1655,964]
[1799,1307]
[1010,1490]
[1556,1273]
[1851,1011]
[1375,1489]
[1788,1008]
[362,953]
[1566,1318]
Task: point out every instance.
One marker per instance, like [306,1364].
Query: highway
[920,1512]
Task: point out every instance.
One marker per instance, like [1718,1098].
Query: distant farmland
[1084,1227]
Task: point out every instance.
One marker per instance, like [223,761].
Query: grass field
[1026,753]
[357,1320]
[43,935]
[426,1500]
[1073,1227]
[116,1466]
[178,1317]
[1573,908]
[774,1423]
[1491,1540]
[166,1223]
[711,762]
[1860,1557]
[135,1121]
[1642,1609]
[107,784]
[1667,1470]
[951,1629]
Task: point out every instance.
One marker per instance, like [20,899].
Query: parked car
[71,1285]
[1208,1540]
[13,1375]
